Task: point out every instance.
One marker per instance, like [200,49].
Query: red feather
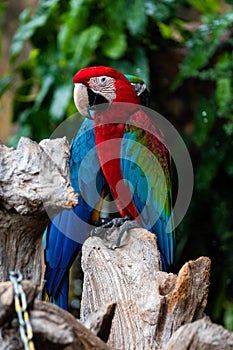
[86,73]
[108,143]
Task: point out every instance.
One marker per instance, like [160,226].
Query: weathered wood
[34,186]
[53,328]
[201,335]
[151,304]
[100,322]
[34,182]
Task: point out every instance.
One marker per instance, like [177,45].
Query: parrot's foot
[112,232]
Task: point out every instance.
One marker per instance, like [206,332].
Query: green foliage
[29,25]
[212,139]
[203,43]
[136,24]
[228,317]
[206,6]
[66,36]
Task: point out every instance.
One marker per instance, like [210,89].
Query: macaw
[131,150]
[70,226]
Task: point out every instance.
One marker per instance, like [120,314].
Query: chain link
[25,327]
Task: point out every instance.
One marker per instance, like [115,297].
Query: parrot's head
[99,87]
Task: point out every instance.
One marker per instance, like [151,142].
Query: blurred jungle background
[182,49]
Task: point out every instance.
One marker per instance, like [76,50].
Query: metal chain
[25,327]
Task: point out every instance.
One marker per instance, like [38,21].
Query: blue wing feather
[67,231]
[143,167]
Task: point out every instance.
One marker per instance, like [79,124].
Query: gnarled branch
[53,328]
[34,182]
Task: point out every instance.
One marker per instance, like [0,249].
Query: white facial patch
[104,86]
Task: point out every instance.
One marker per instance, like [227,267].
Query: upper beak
[81,100]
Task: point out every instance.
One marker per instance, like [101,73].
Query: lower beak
[81,100]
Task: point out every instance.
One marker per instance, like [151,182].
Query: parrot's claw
[113,231]
[123,230]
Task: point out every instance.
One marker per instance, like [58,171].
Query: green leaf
[5,82]
[2,8]
[24,16]
[202,45]
[115,46]
[141,65]
[165,30]
[46,5]
[26,30]
[160,10]
[74,21]
[136,19]
[206,6]
[115,15]
[47,82]
[228,316]
[60,101]
[228,128]
[86,44]
[224,94]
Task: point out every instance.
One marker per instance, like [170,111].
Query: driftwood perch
[201,335]
[154,309]
[151,304]
[34,177]
[127,302]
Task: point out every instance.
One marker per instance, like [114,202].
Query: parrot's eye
[103,80]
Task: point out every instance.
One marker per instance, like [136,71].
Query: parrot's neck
[110,124]
[118,113]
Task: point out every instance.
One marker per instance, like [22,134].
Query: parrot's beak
[81,100]
[86,100]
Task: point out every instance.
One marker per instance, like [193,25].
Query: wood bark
[53,328]
[150,304]
[34,183]
[201,335]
